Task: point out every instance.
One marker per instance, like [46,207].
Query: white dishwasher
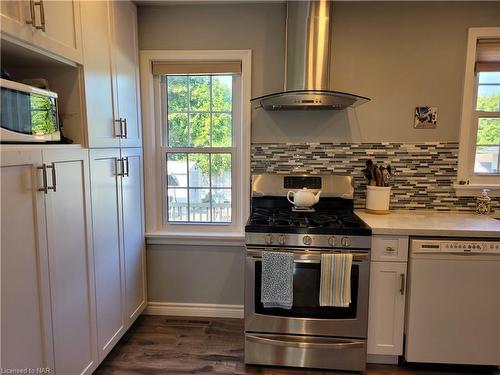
[453,311]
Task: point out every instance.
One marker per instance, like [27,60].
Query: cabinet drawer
[390,248]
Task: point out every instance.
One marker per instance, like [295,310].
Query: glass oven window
[306,282]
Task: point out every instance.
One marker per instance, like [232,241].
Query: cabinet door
[13,17]
[126,67]
[62,34]
[25,295]
[386,308]
[102,130]
[133,233]
[105,185]
[71,261]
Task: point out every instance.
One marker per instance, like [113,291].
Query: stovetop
[325,221]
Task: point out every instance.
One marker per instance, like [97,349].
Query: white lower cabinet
[26,327]
[133,229]
[108,248]
[73,255]
[387,297]
[48,299]
[118,235]
[386,311]
[71,261]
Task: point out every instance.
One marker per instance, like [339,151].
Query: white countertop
[432,223]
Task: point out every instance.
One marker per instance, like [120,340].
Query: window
[479,162]
[487,119]
[199,147]
[196,134]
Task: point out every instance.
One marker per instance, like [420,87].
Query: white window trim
[192,234]
[468,127]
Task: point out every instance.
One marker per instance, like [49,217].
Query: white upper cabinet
[111,73]
[127,71]
[13,15]
[26,318]
[102,129]
[54,26]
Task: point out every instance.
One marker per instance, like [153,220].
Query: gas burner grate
[281,217]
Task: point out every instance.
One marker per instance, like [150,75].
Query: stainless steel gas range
[307,335]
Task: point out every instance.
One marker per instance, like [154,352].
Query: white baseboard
[194,309]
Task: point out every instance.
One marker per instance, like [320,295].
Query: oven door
[307,317]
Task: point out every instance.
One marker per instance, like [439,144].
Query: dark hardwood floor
[173,345]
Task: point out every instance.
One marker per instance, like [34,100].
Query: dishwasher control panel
[455,246]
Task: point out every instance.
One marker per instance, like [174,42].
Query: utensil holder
[378,199]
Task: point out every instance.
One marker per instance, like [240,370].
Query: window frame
[469,123]
[158,230]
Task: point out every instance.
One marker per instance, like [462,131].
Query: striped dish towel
[335,285]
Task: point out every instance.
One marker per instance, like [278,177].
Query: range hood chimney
[307,62]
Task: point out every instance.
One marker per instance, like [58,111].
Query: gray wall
[401,54]
[259,27]
[195,274]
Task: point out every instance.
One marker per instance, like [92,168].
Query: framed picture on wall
[425,117]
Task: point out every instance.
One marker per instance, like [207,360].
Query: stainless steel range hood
[307,62]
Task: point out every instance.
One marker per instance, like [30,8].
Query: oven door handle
[304,257]
[330,344]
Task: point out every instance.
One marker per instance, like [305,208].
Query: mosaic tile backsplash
[425,172]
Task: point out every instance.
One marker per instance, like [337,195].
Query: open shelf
[64,77]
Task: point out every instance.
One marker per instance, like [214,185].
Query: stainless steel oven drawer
[305,351]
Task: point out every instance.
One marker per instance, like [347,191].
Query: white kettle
[304,198]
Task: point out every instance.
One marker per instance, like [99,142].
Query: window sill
[163,238]
[474,190]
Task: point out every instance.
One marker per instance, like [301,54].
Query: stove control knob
[282,239]
[269,238]
[332,241]
[306,240]
[345,241]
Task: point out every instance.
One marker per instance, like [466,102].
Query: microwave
[28,114]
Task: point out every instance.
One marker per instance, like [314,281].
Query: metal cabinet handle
[54,181]
[118,167]
[44,188]
[32,21]
[125,134]
[123,127]
[123,169]
[42,16]
[390,249]
[126,170]
[402,283]
[120,134]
